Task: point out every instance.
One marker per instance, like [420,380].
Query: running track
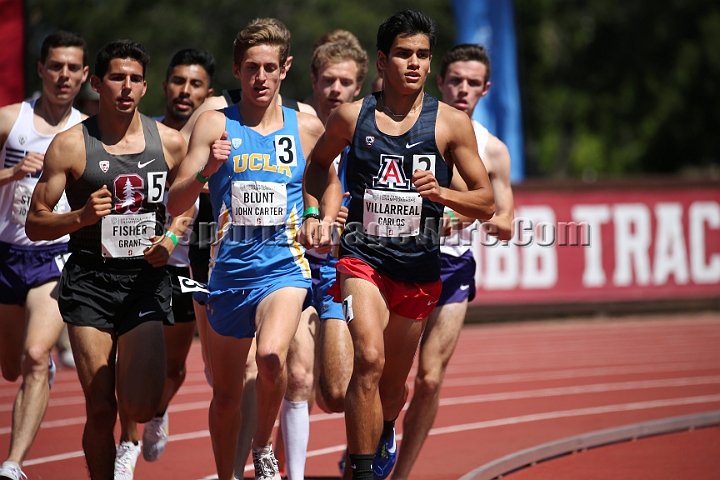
[508,387]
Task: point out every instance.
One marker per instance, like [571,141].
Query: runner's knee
[428,385]
[369,363]
[269,365]
[333,394]
[300,383]
[35,361]
[176,371]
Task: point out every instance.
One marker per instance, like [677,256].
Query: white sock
[295,420]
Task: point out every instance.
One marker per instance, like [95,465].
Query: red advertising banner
[605,245]
[12,53]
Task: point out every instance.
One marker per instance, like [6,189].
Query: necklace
[400,115]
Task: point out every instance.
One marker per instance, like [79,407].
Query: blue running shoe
[52,371]
[341,464]
[385,457]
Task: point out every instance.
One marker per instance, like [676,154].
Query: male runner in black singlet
[114,291]
[403,146]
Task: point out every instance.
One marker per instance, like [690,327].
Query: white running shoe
[67,359]
[125,460]
[155,438]
[52,370]
[11,471]
[266,466]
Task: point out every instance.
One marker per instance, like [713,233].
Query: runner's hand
[219,154]
[159,252]
[98,204]
[30,163]
[314,234]
[427,185]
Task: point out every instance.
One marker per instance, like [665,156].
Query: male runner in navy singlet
[403,147]
[114,291]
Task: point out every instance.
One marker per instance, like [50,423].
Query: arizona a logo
[391,173]
[104,165]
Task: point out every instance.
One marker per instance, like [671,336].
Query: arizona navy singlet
[390,227]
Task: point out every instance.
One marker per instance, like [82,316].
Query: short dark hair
[61,38]
[466,52]
[120,49]
[407,22]
[193,56]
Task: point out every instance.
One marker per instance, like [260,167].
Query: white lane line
[489,397]
[624,407]
[581,389]
[574,373]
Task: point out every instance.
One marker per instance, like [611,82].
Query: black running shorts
[114,294]
[182,303]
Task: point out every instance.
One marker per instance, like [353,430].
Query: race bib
[261,204]
[391,214]
[21,203]
[125,236]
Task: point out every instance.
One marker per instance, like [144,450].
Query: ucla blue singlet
[257,201]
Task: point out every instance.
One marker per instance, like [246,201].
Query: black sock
[388,426]
[361,466]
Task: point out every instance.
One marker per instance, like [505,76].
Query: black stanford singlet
[136,181]
[389,226]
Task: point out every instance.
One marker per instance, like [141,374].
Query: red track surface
[508,387]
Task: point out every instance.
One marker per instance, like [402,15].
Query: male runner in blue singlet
[404,145]
[252,155]
[30,322]
[463,80]
[114,291]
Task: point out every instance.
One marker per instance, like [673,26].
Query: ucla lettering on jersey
[257,201]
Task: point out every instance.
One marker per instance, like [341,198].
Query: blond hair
[336,52]
[262,31]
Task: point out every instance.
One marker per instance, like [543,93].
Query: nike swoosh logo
[407,145]
[143,165]
[142,314]
[464,287]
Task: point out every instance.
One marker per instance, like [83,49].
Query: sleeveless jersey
[460,241]
[137,184]
[15,196]
[257,200]
[390,227]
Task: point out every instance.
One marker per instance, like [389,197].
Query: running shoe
[266,466]
[385,457]
[125,460]
[341,464]
[67,359]
[11,471]
[52,370]
[155,437]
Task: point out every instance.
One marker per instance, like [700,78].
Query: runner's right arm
[65,157]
